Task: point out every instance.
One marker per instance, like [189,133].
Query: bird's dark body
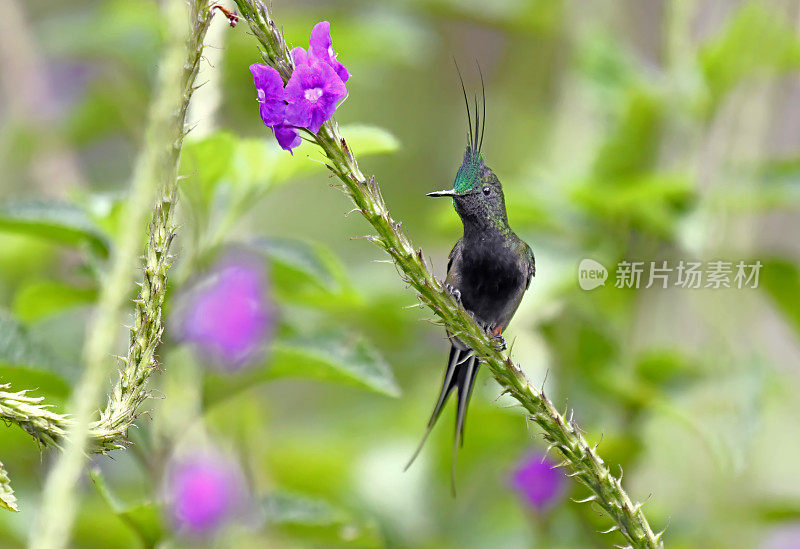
[491,275]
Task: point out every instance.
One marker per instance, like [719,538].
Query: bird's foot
[495,334]
[454,292]
[499,342]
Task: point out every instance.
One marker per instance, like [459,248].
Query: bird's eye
[487,191]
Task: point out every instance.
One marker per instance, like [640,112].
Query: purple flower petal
[535,479]
[287,136]
[783,537]
[269,89]
[228,316]
[203,492]
[299,56]
[313,92]
[320,48]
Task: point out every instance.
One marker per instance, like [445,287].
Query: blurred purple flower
[312,93]
[67,83]
[782,537]
[539,484]
[228,315]
[203,492]
[320,48]
[269,88]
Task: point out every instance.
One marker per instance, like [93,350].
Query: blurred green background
[621,130]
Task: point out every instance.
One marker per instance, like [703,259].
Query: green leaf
[223,176]
[317,519]
[284,508]
[301,257]
[208,160]
[254,162]
[19,348]
[781,280]
[632,146]
[363,140]
[40,299]
[204,164]
[755,40]
[665,367]
[27,362]
[117,30]
[297,264]
[331,356]
[223,159]
[7,499]
[106,209]
[250,163]
[54,387]
[143,518]
[778,510]
[55,221]
[652,202]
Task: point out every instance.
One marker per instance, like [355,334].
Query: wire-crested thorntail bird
[488,270]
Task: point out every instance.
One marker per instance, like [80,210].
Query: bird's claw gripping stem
[499,342]
[454,292]
[494,333]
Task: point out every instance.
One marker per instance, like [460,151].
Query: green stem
[581,459]
[7,499]
[35,418]
[154,181]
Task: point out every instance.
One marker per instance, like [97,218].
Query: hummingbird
[488,270]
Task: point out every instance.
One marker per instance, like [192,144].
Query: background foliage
[634,130]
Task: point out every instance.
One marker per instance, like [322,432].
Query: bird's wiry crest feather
[469,174]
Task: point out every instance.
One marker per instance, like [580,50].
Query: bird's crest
[469,174]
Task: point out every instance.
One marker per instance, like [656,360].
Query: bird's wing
[453,253]
[531,265]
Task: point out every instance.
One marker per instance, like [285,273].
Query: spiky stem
[110,431]
[154,181]
[35,418]
[128,394]
[581,459]
[7,499]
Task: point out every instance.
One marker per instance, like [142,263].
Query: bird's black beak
[451,192]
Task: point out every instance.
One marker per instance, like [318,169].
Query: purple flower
[539,484]
[320,48]
[228,315]
[287,136]
[269,88]
[312,93]
[203,492]
[299,56]
[783,537]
